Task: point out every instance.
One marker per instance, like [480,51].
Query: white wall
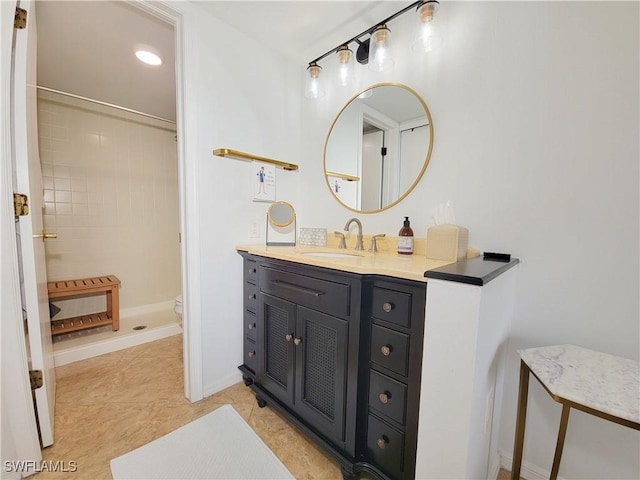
[111,194]
[237,95]
[535,111]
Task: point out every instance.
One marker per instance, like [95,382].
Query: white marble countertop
[597,380]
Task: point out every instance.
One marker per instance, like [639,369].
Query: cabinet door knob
[384,397]
[252,296]
[297,341]
[387,306]
[288,337]
[386,350]
[251,326]
[382,441]
[252,270]
[251,354]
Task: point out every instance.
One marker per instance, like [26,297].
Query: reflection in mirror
[378,147]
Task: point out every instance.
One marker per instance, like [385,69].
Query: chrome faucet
[359,237]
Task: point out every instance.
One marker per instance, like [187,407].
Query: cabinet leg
[261,401]
[247,381]
[348,472]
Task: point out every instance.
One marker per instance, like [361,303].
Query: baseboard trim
[145,309]
[494,465]
[527,470]
[82,352]
[226,382]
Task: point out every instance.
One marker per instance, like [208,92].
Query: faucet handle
[343,244]
[374,246]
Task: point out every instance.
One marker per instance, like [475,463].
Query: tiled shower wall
[111,195]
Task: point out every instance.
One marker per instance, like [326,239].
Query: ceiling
[87,47]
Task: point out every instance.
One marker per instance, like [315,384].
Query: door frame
[189,213]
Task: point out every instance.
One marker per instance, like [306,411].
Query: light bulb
[379,53]
[428,35]
[345,65]
[313,87]
[149,58]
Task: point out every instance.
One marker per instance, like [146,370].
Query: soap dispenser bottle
[405,238]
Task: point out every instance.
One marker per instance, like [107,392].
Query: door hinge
[35,376]
[20,19]
[20,204]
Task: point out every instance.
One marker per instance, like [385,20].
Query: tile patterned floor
[109,405]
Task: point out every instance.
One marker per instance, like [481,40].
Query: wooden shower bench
[81,287]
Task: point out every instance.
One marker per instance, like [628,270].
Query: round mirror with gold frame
[378,147]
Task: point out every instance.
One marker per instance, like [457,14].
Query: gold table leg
[562,432]
[518,443]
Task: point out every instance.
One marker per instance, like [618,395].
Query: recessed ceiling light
[148,57]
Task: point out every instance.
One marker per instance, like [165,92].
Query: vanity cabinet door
[321,371]
[275,337]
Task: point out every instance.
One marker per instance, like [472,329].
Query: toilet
[178,309]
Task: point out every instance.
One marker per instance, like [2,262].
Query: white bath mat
[219,445]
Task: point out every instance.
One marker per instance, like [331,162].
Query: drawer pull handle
[387,306]
[386,350]
[382,442]
[297,288]
[251,354]
[288,337]
[384,397]
[297,341]
[251,326]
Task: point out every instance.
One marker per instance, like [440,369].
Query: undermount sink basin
[331,254]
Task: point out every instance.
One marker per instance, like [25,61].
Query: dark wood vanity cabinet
[339,355]
[395,310]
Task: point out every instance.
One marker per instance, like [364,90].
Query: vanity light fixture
[428,35]
[379,49]
[345,65]
[374,50]
[313,87]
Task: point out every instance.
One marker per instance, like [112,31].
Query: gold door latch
[45,235]
[35,376]
[20,204]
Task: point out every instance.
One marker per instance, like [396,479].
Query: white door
[372,160]
[30,228]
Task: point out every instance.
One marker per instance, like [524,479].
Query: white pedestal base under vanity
[393,374]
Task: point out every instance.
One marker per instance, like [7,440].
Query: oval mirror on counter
[281,224]
[378,147]
[281,214]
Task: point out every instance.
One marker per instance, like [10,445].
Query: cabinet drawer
[387,396]
[250,296]
[250,354]
[390,349]
[392,306]
[250,325]
[385,446]
[250,270]
[323,295]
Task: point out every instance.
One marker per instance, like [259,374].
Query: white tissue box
[447,242]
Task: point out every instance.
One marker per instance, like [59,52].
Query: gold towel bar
[344,176]
[227,152]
